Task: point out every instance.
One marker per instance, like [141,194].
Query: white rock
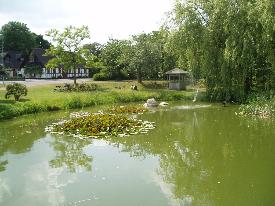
[163,104]
[151,103]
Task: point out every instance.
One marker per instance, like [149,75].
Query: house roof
[39,53]
[15,59]
[176,71]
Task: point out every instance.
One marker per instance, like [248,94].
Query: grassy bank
[44,98]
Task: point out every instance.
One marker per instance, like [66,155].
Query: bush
[83,87]
[101,76]
[106,75]
[17,90]
[155,85]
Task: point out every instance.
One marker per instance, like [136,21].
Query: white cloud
[105,18]
[5,191]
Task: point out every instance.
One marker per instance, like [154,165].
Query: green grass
[44,98]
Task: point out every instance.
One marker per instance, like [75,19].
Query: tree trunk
[74,76]
[74,68]
[139,78]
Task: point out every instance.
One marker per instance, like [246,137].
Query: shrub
[17,90]
[155,85]
[101,76]
[83,87]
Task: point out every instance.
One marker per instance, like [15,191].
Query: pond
[196,155]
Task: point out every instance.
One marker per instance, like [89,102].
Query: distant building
[177,79]
[19,66]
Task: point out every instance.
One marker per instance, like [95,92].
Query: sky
[106,19]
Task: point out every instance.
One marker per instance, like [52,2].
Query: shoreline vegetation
[45,99]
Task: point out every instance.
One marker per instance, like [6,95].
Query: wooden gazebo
[176,78]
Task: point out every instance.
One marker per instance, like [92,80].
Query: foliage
[17,90]
[41,42]
[3,72]
[146,56]
[33,70]
[17,37]
[229,44]
[102,76]
[156,85]
[68,50]
[114,59]
[101,125]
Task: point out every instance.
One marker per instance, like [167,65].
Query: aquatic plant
[102,124]
[260,106]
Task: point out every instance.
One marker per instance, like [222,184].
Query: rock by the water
[163,104]
[151,103]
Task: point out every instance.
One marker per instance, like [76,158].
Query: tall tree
[113,58]
[229,43]
[40,42]
[67,48]
[17,37]
[146,56]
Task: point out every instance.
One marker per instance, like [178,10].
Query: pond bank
[44,99]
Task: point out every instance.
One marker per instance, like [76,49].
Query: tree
[67,48]
[146,56]
[93,52]
[94,48]
[40,42]
[17,37]
[113,58]
[230,44]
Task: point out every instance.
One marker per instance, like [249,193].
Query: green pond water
[195,156]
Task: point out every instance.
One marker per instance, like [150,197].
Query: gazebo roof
[176,71]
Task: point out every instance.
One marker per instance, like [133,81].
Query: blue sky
[105,18]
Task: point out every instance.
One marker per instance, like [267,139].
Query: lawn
[44,98]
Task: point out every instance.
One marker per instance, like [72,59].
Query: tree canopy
[68,51]
[18,37]
[228,43]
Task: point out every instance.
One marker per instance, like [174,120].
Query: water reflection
[205,156]
[3,165]
[18,136]
[70,153]
[209,157]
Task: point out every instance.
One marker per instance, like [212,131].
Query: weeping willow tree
[229,43]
